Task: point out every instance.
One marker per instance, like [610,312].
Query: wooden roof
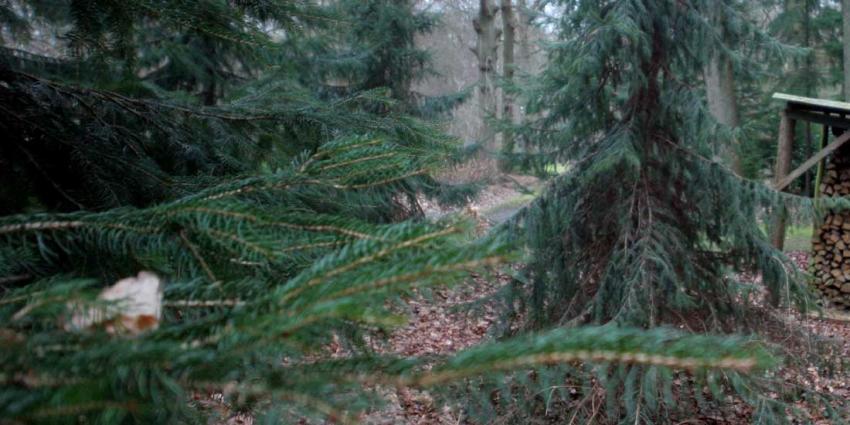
[813,103]
[822,111]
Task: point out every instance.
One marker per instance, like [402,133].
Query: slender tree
[509,25]
[486,51]
[845,15]
[522,26]
[722,96]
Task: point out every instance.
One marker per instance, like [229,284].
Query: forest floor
[440,324]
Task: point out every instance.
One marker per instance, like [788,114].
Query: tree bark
[486,50]
[845,13]
[523,22]
[721,93]
[723,103]
[209,91]
[508,43]
[784,150]
[808,8]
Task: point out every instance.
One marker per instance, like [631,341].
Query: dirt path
[495,203]
[444,323]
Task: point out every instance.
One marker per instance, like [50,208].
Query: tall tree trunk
[722,96]
[508,42]
[523,32]
[523,19]
[808,9]
[784,151]
[723,103]
[845,12]
[209,91]
[486,51]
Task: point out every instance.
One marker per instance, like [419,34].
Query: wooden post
[818,220]
[783,167]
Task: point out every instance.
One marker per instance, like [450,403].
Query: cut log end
[830,263]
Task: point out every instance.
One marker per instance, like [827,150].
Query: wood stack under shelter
[830,260]
[831,242]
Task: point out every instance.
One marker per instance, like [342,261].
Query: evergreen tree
[646,228]
[375,48]
[384,34]
[643,190]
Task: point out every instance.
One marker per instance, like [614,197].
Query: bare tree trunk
[784,150]
[524,14]
[845,12]
[523,61]
[522,31]
[209,91]
[486,51]
[722,102]
[527,60]
[808,9]
[722,97]
[509,28]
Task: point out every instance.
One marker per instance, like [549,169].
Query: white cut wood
[132,305]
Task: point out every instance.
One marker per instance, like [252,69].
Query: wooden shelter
[831,242]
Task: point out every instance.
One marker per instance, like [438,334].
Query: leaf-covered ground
[440,325]
[447,320]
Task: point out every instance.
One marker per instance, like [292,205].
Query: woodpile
[831,244]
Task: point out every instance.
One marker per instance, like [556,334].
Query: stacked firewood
[831,244]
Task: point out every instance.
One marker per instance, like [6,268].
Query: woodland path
[442,323]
